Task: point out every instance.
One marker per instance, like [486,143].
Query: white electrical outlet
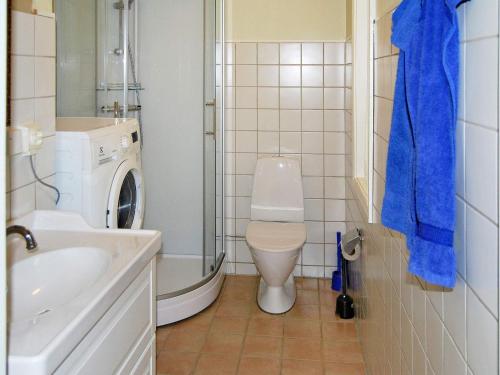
[24,139]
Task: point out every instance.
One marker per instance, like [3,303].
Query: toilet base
[276,299]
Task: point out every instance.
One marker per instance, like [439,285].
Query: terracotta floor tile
[328,297]
[237,294]
[296,367]
[339,331]
[307,297]
[327,314]
[223,343]
[229,325]
[161,336]
[262,346]
[325,284]
[308,339]
[342,352]
[175,363]
[266,327]
[217,364]
[184,341]
[302,348]
[260,314]
[343,369]
[259,366]
[199,323]
[302,328]
[306,283]
[310,312]
[242,310]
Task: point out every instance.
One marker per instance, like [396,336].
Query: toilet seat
[274,236]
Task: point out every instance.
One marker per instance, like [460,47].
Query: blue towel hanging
[419,198]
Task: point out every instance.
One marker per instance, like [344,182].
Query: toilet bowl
[276,232]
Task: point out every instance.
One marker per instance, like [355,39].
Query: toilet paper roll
[352,256]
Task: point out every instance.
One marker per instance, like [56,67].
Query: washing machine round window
[126,201]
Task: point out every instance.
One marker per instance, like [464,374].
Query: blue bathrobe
[419,196]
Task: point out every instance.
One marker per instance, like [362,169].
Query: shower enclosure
[113,61]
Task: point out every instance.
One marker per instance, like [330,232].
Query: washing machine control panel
[111,148]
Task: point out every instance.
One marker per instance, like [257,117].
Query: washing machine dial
[125,143]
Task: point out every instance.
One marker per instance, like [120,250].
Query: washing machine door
[126,197]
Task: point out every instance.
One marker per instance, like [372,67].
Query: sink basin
[42,282]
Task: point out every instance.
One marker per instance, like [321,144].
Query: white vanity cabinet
[123,340]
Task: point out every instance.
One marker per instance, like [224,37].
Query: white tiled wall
[286,99]
[406,325]
[32,99]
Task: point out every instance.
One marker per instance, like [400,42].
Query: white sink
[43,282]
[58,293]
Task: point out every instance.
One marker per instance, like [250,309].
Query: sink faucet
[31,244]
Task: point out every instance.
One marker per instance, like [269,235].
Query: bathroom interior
[218,186]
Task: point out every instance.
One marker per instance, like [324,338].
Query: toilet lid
[274,236]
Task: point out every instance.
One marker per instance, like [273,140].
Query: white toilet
[276,232]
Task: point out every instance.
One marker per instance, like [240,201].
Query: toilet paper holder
[351,240]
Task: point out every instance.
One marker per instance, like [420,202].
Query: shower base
[181,292]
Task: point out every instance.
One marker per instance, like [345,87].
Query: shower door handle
[214,119]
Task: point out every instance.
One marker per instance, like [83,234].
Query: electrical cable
[43,182]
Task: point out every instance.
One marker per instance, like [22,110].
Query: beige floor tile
[307,283]
[307,297]
[342,352]
[310,312]
[262,346]
[327,314]
[298,367]
[217,364]
[328,297]
[242,309]
[302,328]
[184,341]
[339,331]
[229,325]
[308,339]
[266,327]
[343,369]
[175,363]
[199,323]
[302,348]
[223,343]
[259,366]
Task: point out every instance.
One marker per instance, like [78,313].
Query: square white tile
[290,53]
[290,98]
[22,33]
[312,53]
[268,53]
[312,142]
[268,120]
[312,98]
[290,76]
[246,119]
[312,76]
[246,53]
[45,36]
[45,76]
[290,120]
[312,120]
[268,75]
[290,142]
[268,98]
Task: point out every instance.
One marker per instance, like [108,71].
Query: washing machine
[98,171]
